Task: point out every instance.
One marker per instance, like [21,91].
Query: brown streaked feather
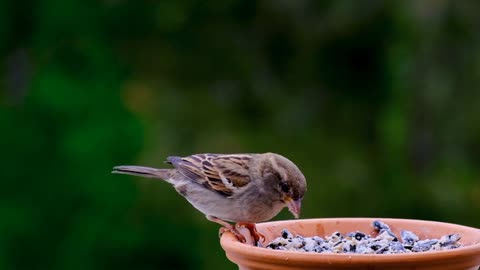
[233,169]
[187,168]
[220,173]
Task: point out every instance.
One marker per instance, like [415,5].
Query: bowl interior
[324,227]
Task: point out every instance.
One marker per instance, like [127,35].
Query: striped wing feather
[221,173]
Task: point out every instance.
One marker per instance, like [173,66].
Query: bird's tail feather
[164,174]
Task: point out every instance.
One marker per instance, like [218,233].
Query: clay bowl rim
[231,245]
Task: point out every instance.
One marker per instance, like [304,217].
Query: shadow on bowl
[251,257]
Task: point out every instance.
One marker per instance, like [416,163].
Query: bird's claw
[235,232]
[258,238]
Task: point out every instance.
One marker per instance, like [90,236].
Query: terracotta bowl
[251,257]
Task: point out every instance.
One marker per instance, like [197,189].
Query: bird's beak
[294,206]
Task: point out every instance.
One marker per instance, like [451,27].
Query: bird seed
[386,242]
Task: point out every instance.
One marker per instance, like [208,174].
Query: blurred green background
[376,101]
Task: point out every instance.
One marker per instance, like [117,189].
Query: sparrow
[240,188]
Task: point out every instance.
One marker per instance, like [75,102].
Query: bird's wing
[220,173]
[233,169]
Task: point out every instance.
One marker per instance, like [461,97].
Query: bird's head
[286,180]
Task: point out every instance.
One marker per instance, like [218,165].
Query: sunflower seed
[386,242]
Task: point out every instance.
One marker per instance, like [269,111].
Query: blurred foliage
[376,101]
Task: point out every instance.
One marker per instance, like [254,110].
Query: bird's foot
[227,227]
[258,238]
[235,232]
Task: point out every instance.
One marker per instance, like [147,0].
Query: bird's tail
[164,174]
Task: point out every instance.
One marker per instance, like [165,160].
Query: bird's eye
[284,186]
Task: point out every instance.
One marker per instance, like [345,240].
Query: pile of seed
[386,242]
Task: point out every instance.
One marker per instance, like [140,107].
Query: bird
[241,188]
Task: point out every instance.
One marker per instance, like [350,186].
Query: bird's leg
[227,227]
[253,231]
